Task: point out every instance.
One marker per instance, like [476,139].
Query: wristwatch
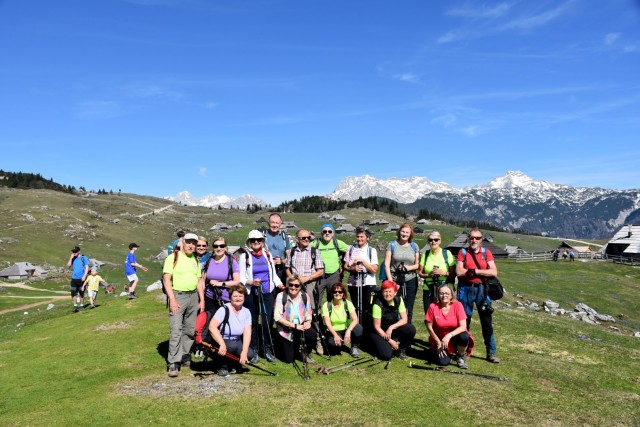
[224,284]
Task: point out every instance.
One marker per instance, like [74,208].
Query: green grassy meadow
[106,366]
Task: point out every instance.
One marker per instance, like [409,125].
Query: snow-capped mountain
[514,201]
[403,190]
[213,201]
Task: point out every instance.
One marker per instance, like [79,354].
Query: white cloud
[630,48]
[202,172]
[408,78]
[446,119]
[481,12]
[210,105]
[99,110]
[611,38]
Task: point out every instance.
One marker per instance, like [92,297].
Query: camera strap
[484,282]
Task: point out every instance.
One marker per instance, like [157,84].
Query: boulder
[155,286]
[551,305]
[50,306]
[585,308]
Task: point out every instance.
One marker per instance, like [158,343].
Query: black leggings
[286,348]
[404,335]
[356,339]
[460,340]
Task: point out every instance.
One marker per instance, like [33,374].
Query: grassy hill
[106,366]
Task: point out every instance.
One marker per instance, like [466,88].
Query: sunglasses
[294,286]
[191,242]
[223,245]
[304,238]
[444,295]
[201,246]
[338,293]
[327,231]
[256,240]
[475,238]
[433,240]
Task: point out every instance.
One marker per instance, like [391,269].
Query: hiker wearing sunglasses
[306,263]
[474,263]
[293,316]
[437,267]
[332,251]
[258,274]
[180,278]
[202,255]
[220,272]
[341,320]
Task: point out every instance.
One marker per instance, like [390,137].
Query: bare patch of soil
[185,387]
[112,326]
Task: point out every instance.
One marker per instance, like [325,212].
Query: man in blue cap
[332,253]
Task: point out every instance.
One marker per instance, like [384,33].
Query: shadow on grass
[163,349]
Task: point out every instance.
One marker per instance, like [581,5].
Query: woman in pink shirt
[447,325]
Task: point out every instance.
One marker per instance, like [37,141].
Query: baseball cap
[191,236]
[75,249]
[133,245]
[255,234]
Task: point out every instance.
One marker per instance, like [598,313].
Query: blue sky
[285,98]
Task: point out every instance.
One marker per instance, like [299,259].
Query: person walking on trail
[92,284]
[79,265]
[473,264]
[130,269]
[180,277]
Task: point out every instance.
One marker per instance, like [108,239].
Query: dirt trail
[32,305]
[21,285]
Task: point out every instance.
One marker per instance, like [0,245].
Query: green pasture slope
[106,366]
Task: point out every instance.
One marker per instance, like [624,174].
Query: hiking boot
[75,309]
[402,354]
[269,357]
[354,352]
[309,359]
[462,361]
[186,363]
[92,306]
[492,358]
[132,296]
[319,349]
[223,372]
[255,359]
[173,370]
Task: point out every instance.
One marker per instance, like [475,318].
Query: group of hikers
[227,304]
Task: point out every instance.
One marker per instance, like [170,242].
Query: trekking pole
[401,270]
[441,369]
[305,359]
[265,321]
[345,365]
[236,358]
[316,319]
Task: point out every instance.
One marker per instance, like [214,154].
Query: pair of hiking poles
[371,361]
[235,358]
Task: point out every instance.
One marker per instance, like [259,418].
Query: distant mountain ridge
[514,201]
[213,201]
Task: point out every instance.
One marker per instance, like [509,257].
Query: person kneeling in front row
[341,320]
[391,330]
[293,317]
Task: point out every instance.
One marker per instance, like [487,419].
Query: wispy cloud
[210,105]
[408,78]
[101,109]
[483,21]
[446,120]
[152,91]
[202,172]
[611,38]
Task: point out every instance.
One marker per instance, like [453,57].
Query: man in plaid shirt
[306,262]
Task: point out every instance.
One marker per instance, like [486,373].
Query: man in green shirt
[332,252]
[180,275]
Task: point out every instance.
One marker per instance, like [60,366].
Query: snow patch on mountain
[213,201]
[403,190]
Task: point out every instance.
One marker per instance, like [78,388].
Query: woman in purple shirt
[220,272]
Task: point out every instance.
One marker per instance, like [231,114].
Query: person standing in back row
[473,264]
[278,245]
[130,266]
[332,251]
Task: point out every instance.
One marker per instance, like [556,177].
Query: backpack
[202,325]
[386,309]
[172,246]
[445,254]
[314,254]
[382,275]
[175,261]
[344,307]
[341,254]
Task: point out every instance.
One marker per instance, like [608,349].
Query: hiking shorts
[132,277]
[93,295]
[76,287]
